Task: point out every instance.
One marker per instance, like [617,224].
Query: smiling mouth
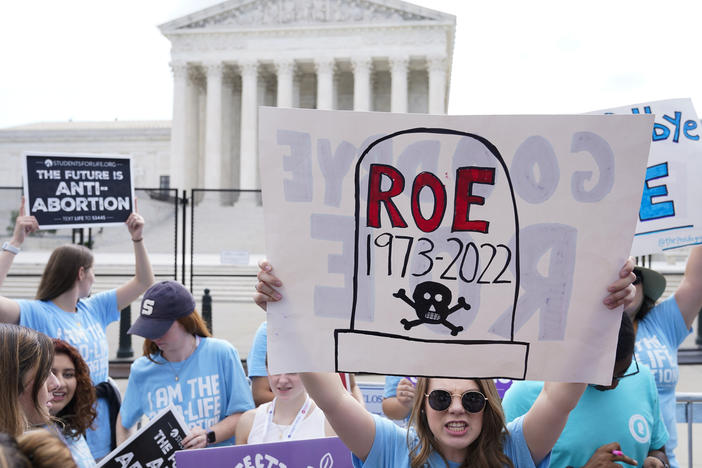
[58,396]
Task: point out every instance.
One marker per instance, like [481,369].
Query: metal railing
[691,404]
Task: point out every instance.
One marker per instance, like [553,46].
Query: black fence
[213,253]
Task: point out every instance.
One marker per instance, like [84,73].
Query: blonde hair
[485,451]
[45,450]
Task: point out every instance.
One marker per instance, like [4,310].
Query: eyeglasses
[620,377]
[472,401]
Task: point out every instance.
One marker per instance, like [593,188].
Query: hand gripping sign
[438,241]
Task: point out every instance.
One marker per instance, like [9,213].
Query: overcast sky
[104,60]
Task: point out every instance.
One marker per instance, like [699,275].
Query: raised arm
[544,422]
[143,276]
[689,294]
[9,309]
[351,422]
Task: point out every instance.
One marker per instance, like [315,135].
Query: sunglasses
[472,401]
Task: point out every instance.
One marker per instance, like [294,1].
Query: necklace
[184,362]
[281,429]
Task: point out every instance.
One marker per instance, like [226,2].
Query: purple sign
[312,453]
[502,386]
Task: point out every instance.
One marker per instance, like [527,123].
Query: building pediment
[245,14]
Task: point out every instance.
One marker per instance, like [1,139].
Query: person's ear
[81,273]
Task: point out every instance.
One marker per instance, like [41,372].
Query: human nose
[456,405]
[52,383]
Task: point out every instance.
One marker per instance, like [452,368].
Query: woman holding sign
[65,309]
[184,366]
[661,328]
[454,422]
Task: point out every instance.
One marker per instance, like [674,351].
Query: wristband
[10,248]
[665,464]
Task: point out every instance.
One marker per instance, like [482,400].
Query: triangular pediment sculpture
[285,13]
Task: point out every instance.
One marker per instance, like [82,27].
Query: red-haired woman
[73,400]
[184,366]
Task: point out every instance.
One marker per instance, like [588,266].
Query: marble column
[179,126]
[361,83]
[398,69]
[325,83]
[249,100]
[213,135]
[437,84]
[284,70]
[195,86]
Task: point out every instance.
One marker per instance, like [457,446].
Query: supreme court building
[230,58]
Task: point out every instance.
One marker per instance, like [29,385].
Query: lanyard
[296,422]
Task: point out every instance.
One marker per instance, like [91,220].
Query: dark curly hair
[78,415]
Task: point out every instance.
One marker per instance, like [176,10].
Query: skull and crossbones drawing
[431,304]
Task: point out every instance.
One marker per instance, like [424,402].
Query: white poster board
[669,216]
[446,245]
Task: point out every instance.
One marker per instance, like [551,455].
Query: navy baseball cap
[162,304]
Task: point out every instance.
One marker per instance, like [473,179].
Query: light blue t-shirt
[658,337]
[629,414]
[211,385]
[80,452]
[391,382]
[85,330]
[390,448]
[256,360]
[390,391]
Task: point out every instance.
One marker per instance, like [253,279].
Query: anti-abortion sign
[313,453]
[70,190]
[669,214]
[448,246]
[153,446]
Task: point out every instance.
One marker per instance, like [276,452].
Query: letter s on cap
[147,307]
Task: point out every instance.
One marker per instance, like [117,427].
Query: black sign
[64,191]
[154,446]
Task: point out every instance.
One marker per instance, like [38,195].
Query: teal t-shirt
[629,414]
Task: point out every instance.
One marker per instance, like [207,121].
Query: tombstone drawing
[437,235]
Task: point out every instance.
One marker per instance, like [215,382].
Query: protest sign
[77,190]
[446,245]
[669,214]
[153,446]
[312,453]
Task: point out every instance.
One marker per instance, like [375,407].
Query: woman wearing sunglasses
[454,422]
